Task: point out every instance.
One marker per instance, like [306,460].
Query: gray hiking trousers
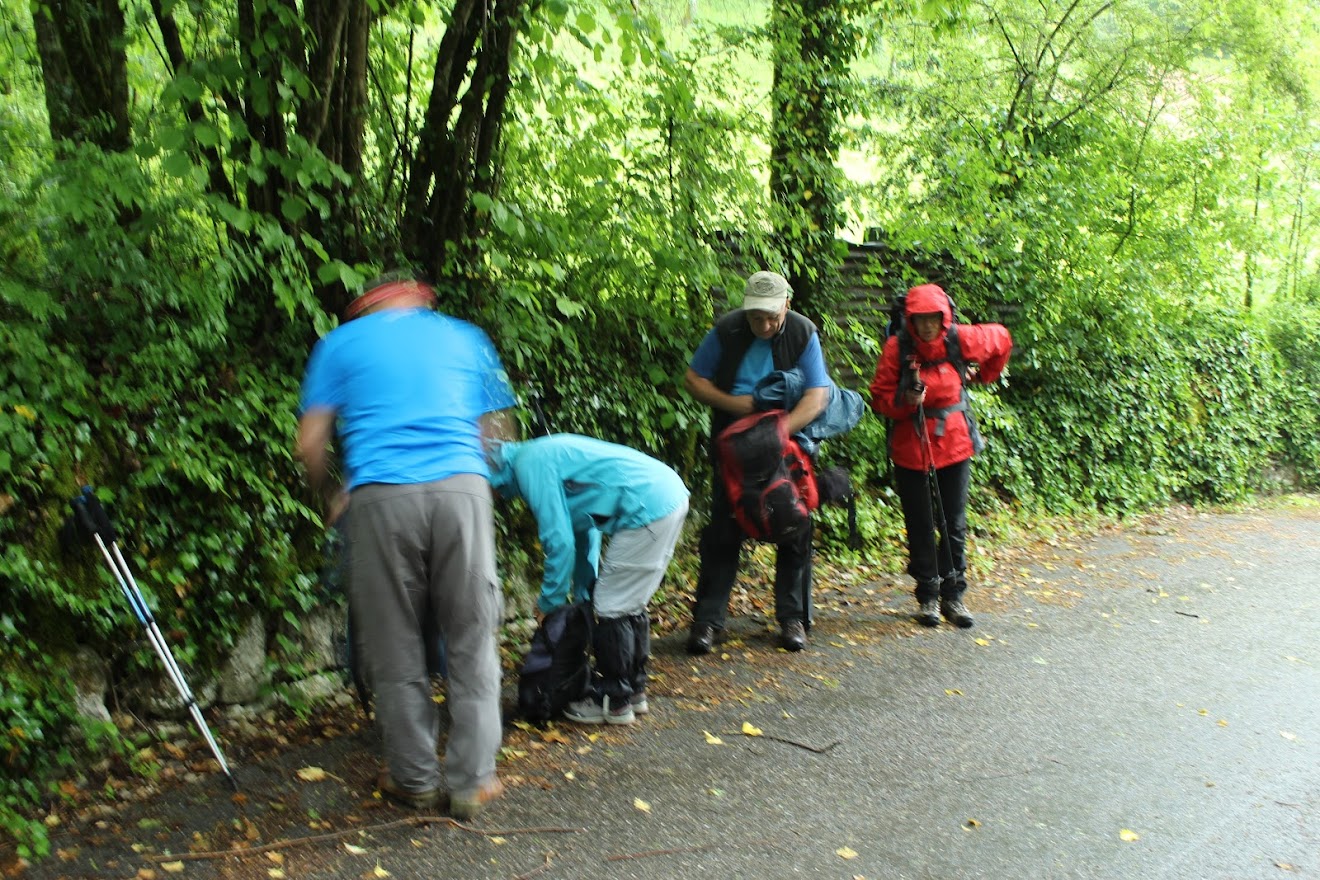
[419,551]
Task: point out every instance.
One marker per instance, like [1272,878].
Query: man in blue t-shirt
[744,347]
[412,396]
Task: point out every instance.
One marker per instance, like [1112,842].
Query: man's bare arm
[316,428]
[706,392]
[811,404]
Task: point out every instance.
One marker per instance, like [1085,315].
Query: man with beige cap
[742,348]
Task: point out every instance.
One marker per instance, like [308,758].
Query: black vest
[736,336]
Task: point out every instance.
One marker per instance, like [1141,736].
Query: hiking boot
[414,800]
[701,639]
[929,613]
[956,613]
[792,635]
[467,804]
[639,704]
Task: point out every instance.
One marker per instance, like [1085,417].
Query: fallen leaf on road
[642,805]
[1283,866]
[275,873]
[972,823]
[173,867]
[312,774]
[749,730]
[553,735]
[712,738]
[499,841]
[1291,737]
[378,871]
[952,692]
[1222,723]
[355,850]
[1128,836]
[845,852]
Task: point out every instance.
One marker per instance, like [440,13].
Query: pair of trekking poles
[90,517]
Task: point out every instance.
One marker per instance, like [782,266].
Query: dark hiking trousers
[928,560]
[720,547]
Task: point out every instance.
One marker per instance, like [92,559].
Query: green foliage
[1116,183]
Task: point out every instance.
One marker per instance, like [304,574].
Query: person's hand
[915,396]
[335,507]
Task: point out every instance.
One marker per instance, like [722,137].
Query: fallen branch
[348,832]
[820,750]
[801,745]
[538,869]
[681,850]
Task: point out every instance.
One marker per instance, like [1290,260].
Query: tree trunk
[813,45]
[85,71]
[458,146]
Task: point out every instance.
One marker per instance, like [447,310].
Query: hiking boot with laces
[956,613]
[929,613]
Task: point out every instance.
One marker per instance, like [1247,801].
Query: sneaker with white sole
[588,711]
[638,703]
[585,711]
[621,715]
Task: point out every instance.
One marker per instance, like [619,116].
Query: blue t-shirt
[758,363]
[408,387]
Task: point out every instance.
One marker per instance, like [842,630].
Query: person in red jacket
[919,385]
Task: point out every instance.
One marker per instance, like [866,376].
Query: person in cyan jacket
[581,490]
[919,385]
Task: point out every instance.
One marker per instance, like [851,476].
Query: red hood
[924,299]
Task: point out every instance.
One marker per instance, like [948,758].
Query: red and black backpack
[768,477]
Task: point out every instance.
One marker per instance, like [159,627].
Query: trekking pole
[92,517]
[933,487]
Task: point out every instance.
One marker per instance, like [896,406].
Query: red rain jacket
[987,345]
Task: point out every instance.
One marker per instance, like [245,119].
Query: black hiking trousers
[929,560]
[720,547]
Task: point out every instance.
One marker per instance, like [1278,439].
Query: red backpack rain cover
[768,477]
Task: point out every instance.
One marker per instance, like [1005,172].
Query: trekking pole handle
[92,516]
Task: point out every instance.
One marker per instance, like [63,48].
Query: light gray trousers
[633,565]
[417,551]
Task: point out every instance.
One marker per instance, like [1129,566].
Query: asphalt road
[1142,704]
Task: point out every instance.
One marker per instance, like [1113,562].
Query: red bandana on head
[378,295]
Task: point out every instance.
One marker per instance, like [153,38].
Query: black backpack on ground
[556,670]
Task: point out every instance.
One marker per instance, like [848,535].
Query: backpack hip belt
[942,413]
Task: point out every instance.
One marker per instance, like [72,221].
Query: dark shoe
[701,639]
[467,804]
[415,800]
[929,613]
[956,613]
[792,635]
